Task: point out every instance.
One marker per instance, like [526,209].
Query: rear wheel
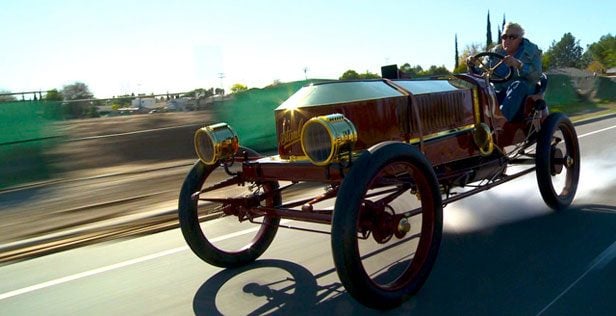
[223,240]
[387,225]
[558,161]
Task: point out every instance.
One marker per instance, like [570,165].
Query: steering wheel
[485,64]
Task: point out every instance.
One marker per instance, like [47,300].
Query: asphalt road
[503,252]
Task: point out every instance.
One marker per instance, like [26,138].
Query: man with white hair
[525,58]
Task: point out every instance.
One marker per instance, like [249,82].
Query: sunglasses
[509,37]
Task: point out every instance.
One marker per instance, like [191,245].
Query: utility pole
[222,89]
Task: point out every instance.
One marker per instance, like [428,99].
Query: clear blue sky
[151,46]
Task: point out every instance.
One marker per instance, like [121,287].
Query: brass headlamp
[216,142]
[324,138]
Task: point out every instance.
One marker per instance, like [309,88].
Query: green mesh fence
[561,91]
[26,132]
[577,95]
[251,113]
[605,89]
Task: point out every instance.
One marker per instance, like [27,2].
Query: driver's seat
[535,102]
[542,85]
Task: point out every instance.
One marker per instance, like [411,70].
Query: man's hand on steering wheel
[512,62]
[485,65]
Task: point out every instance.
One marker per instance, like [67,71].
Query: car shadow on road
[556,264]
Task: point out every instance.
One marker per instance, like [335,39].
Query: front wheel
[387,225]
[224,241]
[558,161]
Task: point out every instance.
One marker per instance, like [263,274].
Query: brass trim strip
[476,105]
[443,133]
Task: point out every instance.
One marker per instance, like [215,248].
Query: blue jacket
[530,72]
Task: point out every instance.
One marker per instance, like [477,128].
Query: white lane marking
[132,133]
[113,267]
[597,131]
[90,273]
[598,263]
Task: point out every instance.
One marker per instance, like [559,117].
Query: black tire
[220,253]
[558,161]
[401,168]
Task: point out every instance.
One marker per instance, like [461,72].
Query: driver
[525,58]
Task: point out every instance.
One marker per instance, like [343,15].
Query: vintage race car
[377,160]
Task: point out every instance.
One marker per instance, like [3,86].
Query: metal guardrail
[131,97]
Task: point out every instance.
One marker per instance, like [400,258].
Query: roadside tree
[238,87]
[412,71]
[469,50]
[6,98]
[76,103]
[353,75]
[53,95]
[603,51]
[565,53]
